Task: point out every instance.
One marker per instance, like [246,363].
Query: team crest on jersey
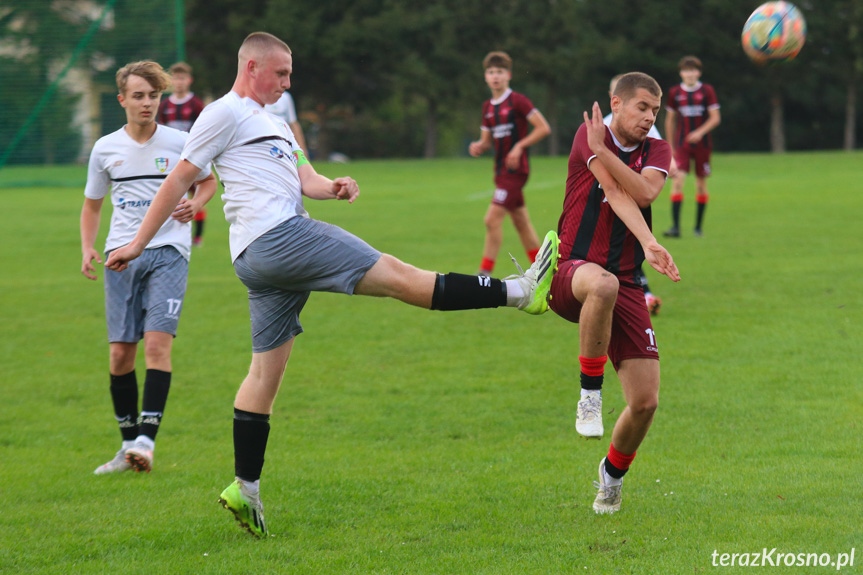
[162,164]
[277,153]
[637,165]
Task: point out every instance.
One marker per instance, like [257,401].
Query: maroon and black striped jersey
[588,227]
[180,114]
[692,106]
[506,119]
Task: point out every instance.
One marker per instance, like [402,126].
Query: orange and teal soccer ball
[775,32]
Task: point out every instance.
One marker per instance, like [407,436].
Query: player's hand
[346,189]
[476,149]
[595,129]
[672,169]
[694,137]
[119,259]
[87,263]
[513,158]
[659,258]
[185,210]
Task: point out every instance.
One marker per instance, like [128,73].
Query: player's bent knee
[605,287]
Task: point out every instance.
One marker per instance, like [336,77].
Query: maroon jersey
[180,114]
[506,118]
[588,227]
[692,105]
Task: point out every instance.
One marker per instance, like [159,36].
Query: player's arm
[540,131]
[318,187]
[481,146]
[629,213]
[170,192]
[91,215]
[670,127]
[713,120]
[205,189]
[297,129]
[645,187]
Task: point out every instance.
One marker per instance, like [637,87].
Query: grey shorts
[284,265]
[148,296]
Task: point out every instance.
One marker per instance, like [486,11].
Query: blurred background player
[286,110]
[505,118]
[653,302]
[692,113]
[179,111]
[131,163]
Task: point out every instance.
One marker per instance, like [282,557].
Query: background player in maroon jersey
[615,173]
[693,112]
[180,110]
[505,118]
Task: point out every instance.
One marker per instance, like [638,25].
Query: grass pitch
[410,441]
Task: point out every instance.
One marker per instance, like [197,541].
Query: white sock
[146,442]
[584,392]
[608,479]
[514,293]
[251,487]
[128,444]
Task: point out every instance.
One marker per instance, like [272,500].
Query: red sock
[678,197]
[592,366]
[619,460]
[702,198]
[531,255]
[487,265]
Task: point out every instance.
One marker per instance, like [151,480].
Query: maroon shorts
[508,192]
[683,155]
[632,334]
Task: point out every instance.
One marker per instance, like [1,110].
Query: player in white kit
[145,303]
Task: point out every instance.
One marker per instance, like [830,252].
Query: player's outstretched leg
[116,465]
[536,281]
[608,492]
[246,507]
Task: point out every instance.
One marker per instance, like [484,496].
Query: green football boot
[247,509]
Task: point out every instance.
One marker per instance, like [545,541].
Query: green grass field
[410,441]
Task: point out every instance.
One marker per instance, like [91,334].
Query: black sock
[459,291]
[614,471]
[699,217]
[250,442]
[675,213]
[156,388]
[591,382]
[199,228]
[124,394]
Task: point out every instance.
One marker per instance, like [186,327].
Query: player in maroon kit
[615,173]
[180,110]
[505,119]
[693,112]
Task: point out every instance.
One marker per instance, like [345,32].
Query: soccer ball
[775,32]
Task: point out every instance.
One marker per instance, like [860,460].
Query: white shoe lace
[589,408]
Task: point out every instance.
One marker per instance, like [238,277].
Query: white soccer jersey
[254,153]
[653,133]
[284,108]
[133,172]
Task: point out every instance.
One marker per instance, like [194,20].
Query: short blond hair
[259,43]
[150,71]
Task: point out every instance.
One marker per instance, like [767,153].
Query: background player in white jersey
[131,163]
[653,302]
[286,110]
[282,255]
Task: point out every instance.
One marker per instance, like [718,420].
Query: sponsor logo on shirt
[162,164]
[277,153]
[123,204]
[502,130]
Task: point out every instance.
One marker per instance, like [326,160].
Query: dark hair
[689,62]
[497,60]
[629,83]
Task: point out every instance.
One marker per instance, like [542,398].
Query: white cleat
[608,492]
[116,465]
[588,421]
[140,457]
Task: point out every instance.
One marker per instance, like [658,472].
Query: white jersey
[653,133]
[133,172]
[254,153]
[284,108]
